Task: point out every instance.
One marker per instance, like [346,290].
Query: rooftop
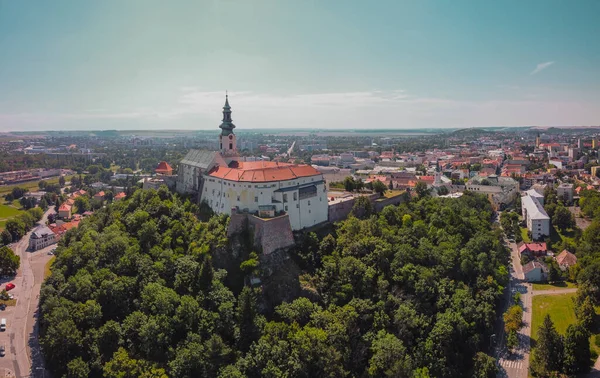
[263,171]
[534,209]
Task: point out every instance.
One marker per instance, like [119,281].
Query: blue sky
[150,64]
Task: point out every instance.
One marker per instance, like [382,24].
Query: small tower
[537,141]
[227,140]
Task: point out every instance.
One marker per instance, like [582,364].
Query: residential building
[565,192]
[64,211]
[535,271]
[41,237]
[536,218]
[566,260]
[501,191]
[164,168]
[533,249]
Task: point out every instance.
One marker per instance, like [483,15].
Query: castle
[227,183]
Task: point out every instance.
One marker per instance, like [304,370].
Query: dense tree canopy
[409,292]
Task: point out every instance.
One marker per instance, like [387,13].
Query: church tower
[227,140]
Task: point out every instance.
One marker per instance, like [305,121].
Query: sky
[317,64]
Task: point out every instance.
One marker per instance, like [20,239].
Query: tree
[484,366]
[421,189]
[443,190]
[247,319]
[61,181]
[379,187]
[563,218]
[16,227]
[577,350]
[548,353]
[363,208]
[512,340]
[585,313]
[82,203]
[389,357]
[349,184]
[6,237]
[78,368]
[513,319]
[9,262]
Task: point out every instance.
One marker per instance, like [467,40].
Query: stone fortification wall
[340,211]
[396,200]
[268,234]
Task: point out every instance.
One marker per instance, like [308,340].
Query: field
[32,186]
[9,211]
[555,285]
[393,193]
[560,308]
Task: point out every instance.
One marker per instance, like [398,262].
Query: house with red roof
[164,169]
[100,195]
[566,259]
[120,196]
[64,211]
[533,249]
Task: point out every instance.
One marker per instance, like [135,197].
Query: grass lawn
[562,312]
[32,186]
[8,211]
[48,267]
[393,193]
[524,235]
[560,308]
[555,285]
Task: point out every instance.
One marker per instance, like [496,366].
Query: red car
[10,286]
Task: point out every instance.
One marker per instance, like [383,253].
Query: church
[228,183]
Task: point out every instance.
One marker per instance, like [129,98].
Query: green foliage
[562,218]
[9,262]
[513,319]
[408,292]
[484,366]
[379,187]
[547,356]
[421,189]
[576,350]
[363,208]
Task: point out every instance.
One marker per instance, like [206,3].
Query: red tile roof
[120,195]
[263,171]
[64,207]
[533,247]
[566,258]
[99,194]
[163,167]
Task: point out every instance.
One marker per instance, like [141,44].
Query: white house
[535,271]
[42,237]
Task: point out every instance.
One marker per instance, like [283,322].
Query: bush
[597,340]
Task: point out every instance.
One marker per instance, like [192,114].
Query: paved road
[20,337]
[516,364]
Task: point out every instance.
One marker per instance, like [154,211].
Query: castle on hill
[229,185]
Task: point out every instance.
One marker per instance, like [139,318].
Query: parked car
[2,350]
[10,286]
[2,306]
[50,252]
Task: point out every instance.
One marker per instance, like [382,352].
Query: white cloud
[540,67]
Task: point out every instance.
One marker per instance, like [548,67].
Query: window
[297,206]
[231,146]
[308,202]
[286,208]
[255,199]
[309,211]
[238,198]
[295,196]
[285,197]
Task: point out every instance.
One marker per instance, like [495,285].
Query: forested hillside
[410,292]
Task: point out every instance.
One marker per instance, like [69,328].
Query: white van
[3,324]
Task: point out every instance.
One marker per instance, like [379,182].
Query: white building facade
[536,218]
[299,191]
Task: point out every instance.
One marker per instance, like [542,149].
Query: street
[23,358]
[516,364]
